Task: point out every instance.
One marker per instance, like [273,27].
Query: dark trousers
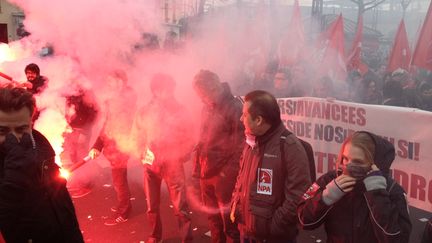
[121,187]
[76,146]
[216,194]
[172,173]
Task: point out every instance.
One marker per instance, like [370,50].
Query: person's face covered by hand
[16,123]
[354,162]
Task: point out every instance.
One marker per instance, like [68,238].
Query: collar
[270,133]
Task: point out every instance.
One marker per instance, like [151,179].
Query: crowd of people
[254,175]
[377,86]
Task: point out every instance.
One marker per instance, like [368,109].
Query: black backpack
[309,152]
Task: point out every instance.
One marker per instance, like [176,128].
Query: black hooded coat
[360,216]
[34,202]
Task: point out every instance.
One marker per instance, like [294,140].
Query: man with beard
[35,205]
[35,82]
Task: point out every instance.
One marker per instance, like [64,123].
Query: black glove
[19,162]
[11,143]
[20,167]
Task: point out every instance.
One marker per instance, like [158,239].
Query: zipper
[43,170]
[245,193]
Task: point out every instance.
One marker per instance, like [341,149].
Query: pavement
[93,209]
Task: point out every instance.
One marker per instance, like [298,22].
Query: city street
[94,208]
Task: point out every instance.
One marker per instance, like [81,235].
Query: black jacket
[39,84]
[427,233]
[269,188]
[85,109]
[34,201]
[379,215]
[221,137]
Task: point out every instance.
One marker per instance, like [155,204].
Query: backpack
[309,152]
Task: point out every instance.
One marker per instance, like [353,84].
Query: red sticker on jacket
[265,181]
[311,191]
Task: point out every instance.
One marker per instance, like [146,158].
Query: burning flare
[148,158]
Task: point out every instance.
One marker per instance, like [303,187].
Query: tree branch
[373,5]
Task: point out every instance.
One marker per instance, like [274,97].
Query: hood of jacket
[384,152]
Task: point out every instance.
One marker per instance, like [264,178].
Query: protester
[359,202]
[172,43]
[393,94]
[370,93]
[81,113]
[37,83]
[301,78]
[218,152]
[114,139]
[324,88]
[424,96]
[354,85]
[282,84]
[273,174]
[162,123]
[35,205]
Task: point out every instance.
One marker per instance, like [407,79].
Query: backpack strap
[283,138]
[308,149]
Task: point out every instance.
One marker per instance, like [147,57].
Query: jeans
[172,173]
[216,193]
[121,187]
[76,146]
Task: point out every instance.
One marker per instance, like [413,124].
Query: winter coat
[39,84]
[84,109]
[221,137]
[268,187]
[378,215]
[427,233]
[34,201]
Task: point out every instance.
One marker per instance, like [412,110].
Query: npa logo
[265,181]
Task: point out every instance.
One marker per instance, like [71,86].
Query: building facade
[11,19]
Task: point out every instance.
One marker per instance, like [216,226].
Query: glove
[20,165]
[332,193]
[375,180]
[337,188]
[12,147]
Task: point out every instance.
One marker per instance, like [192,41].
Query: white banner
[325,124]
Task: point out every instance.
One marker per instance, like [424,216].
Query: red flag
[400,56]
[354,61]
[292,42]
[422,56]
[332,55]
